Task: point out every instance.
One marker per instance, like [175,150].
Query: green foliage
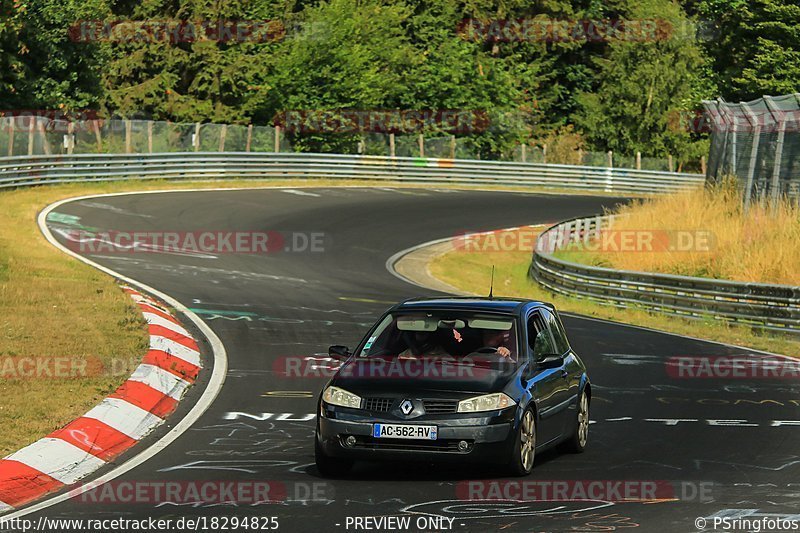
[334,55]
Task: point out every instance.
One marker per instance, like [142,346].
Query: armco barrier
[775,307]
[38,170]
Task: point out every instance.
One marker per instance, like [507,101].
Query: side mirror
[338,352]
[550,360]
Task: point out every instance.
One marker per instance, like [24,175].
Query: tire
[330,466]
[577,442]
[524,450]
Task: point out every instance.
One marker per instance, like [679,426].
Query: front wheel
[524,451]
[330,466]
[577,442]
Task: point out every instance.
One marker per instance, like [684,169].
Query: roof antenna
[491,284]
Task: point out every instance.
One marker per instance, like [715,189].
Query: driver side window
[539,339]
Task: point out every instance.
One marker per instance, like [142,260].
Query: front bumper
[489,438]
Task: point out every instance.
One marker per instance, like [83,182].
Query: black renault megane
[490,380]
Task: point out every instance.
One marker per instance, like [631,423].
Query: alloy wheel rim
[583,421]
[528,441]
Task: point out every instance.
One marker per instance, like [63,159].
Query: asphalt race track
[711,446]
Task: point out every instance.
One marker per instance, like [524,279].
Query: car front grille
[380,405]
[448,445]
[440,407]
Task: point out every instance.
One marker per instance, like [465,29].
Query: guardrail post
[669,162]
[249,137]
[610,159]
[610,172]
[452,147]
[524,153]
[702,164]
[638,160]
[421,142]
[391,145]
[196,137]
[150,136]
[277,139]
[222,135]
[544,154]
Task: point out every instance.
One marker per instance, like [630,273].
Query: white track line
[205,401]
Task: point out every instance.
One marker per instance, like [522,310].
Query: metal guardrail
[774,307]
[38,170]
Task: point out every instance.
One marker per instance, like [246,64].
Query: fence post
[149,136]
[669,163]
[775,185]
[391,145]
[33,123]
[97,137]
[703,164]
[751,169]
[524,153]
[196,140]
[638,160]
[222,136]
[45,144]
[11,129]
[70,137]
[610,159]
[544,154]
[128,147]
[452,147]
[249,137]
[277,139]
[421,141]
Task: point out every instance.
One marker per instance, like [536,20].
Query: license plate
[398,431]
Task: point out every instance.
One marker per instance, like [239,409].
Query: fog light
[350,441]
[463,445]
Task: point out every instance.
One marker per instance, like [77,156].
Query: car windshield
[443,334]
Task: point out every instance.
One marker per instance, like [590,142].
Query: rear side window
[560,336]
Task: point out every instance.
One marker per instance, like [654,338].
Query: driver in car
[498,339]
[425,343]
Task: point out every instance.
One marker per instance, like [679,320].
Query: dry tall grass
[760,245]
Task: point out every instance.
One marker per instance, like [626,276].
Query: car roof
[471,303]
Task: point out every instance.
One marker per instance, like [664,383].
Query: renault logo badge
[406,407]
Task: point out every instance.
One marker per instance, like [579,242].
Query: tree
[643,86]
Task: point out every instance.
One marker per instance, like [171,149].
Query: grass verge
[469,270]
[702,233]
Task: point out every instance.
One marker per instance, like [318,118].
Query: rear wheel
[330,466]
[577,442]
[524,451]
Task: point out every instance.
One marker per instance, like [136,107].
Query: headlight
[487,402]
[337,396]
